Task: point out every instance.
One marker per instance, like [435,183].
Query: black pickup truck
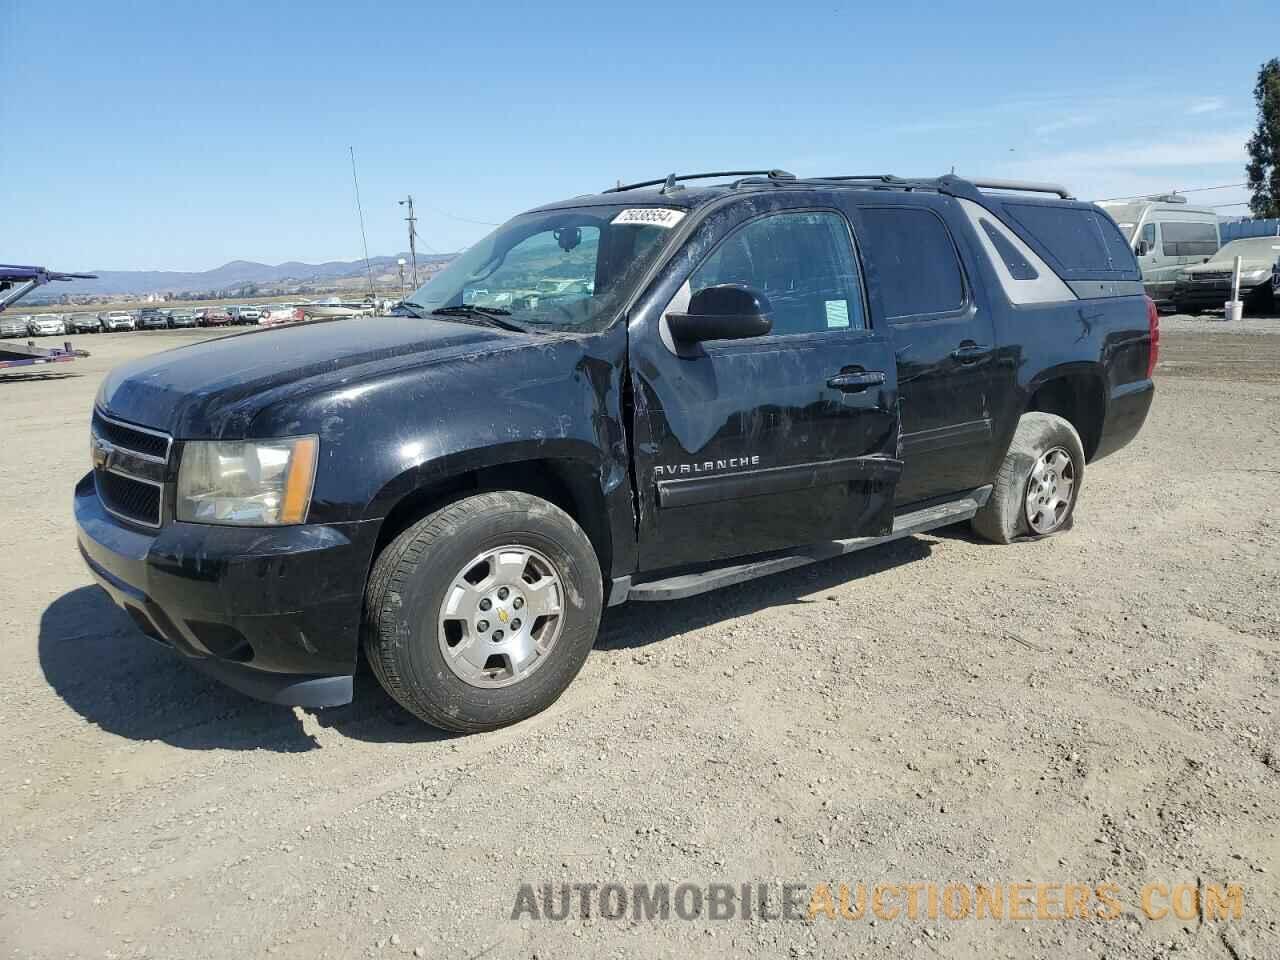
[641,394]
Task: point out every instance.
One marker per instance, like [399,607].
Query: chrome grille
[129,465]
[1214,277]
[136,500]
[146,443]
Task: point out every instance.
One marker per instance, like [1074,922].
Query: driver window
[803,262]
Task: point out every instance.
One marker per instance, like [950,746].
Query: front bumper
[273,612]
[1212,294]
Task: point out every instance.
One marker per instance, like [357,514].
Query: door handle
[854,382]
[970,352]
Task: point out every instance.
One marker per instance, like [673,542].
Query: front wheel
[481,613]
[1035,492]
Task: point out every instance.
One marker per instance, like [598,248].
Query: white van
[1167,236]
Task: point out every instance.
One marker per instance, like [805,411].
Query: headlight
[1181,275]
[250,482]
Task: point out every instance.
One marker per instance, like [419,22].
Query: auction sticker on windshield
[650,216]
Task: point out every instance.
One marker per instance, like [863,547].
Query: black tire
[1262,302]
[407,587]
[1004,518]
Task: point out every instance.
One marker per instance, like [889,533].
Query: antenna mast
[360,210]
[413,236]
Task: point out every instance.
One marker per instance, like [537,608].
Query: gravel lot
[1100,706]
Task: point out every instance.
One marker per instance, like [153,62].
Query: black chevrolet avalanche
[642,394]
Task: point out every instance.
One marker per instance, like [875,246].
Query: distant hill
[228,276]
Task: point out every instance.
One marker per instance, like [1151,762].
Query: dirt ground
[1098,707]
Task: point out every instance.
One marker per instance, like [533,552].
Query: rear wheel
[1036,489]
[480,614]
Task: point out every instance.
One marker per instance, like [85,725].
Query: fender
[386,437]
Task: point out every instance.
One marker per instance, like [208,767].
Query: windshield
[1255,248]
[564,269]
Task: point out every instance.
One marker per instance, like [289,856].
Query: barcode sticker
[650,216]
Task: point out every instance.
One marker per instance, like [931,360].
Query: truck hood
[1247,265]
[214,389]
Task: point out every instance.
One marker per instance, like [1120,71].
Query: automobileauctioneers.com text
[837,902]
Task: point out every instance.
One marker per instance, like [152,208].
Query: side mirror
[728,311]
[1141,249]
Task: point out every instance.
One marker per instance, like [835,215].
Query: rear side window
[1070,234]
[919,270]
[1188,239]
[1074,236]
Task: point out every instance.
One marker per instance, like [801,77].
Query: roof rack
[947,183]
[1029,186]
[950,184]
[669,182]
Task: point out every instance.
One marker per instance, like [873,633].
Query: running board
[904,525]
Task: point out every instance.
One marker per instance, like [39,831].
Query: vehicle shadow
[113,676]
[110,673]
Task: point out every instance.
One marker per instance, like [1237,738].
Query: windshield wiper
[411,308]
[492,315]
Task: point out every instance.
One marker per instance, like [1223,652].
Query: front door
[945,346]
[744,446]
[1160,267]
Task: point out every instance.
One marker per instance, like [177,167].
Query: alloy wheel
[501,616]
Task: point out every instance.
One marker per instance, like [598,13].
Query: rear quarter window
[1081,240]
[1019,267]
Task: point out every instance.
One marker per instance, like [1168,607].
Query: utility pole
[413,236]
[400,264]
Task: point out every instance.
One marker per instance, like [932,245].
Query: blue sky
[183,135]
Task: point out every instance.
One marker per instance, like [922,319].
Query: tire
[1262,302]
[1006,516]
[409,635]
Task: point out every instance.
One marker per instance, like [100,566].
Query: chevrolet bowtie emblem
[502,615]
[101,452]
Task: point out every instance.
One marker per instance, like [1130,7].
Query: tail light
[1153,326]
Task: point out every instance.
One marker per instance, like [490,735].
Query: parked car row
[148,318]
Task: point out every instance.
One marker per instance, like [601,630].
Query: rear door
[744,446]
[945,344]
